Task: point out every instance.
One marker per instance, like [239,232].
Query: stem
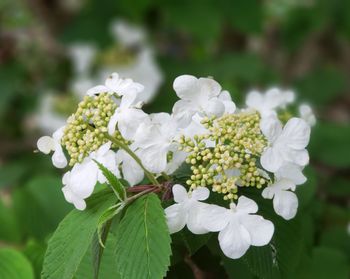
[167,177]
[126,148]
[132,198]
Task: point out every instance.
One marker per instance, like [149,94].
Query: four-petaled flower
[238,226]
[116,85]
[285,201]
[285,145]
[199,95]
[187,210]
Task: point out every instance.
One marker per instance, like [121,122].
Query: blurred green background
[299,44]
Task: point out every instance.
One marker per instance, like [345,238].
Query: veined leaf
[105,217]
[116,185]
[13,265]
[73,237]
[143,242]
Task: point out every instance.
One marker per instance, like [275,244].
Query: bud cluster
[226,157]
[85,128]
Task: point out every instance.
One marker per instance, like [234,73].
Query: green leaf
[117,187]
[13,265]
[143,241]
[40,205]
[337,151]
[260,261]
[107,216]
[73,237]
[328,263]
[35,252]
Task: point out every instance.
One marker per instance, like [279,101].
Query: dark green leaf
[73,237]
[143,241]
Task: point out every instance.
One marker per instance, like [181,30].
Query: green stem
[134,197]
[167,177]
[126,148]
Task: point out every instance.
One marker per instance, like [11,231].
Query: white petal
[286,204]
[84,178]
[299,157]
[46,144]
[59,160]
[271,128]
[195,219]
[297,133]
[113,80]
[268,193]
[254,100]
[214,107]
[183,112]
[215,217]
[132,172]
[291,172]
[180,193]
[271,160]
[209,87]
[97,90]
[186,87]
[234,240]
[154,158]
[176,217]
[200,193]
[260,229]
[129,121]
[113,123]
[246,205]
[230,106]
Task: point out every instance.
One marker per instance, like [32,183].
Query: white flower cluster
[227,148]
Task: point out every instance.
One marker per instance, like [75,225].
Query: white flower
[81,180]
[117,85]
[131,170]
[267,103]
[154,139]
[187,210]
[144,69]
[225,98]
[306,113]
[82,55]
[127,34]
[285,145]
[47,118]
[198,95]
[238,228]
[127,116]
[285,202]
[47,144]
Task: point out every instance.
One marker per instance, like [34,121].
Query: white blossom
[285,145]
[198,95]
[238,226]
[82,55]
[285,201]
[127,116]
[127,34]
[266,104]
[306,113]
[187,210]
[47,144]
[132,172]
[81,180]
[154,139]
[116,85]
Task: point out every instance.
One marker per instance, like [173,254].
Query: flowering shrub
[209,163]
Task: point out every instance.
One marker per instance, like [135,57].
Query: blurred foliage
[303,45]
